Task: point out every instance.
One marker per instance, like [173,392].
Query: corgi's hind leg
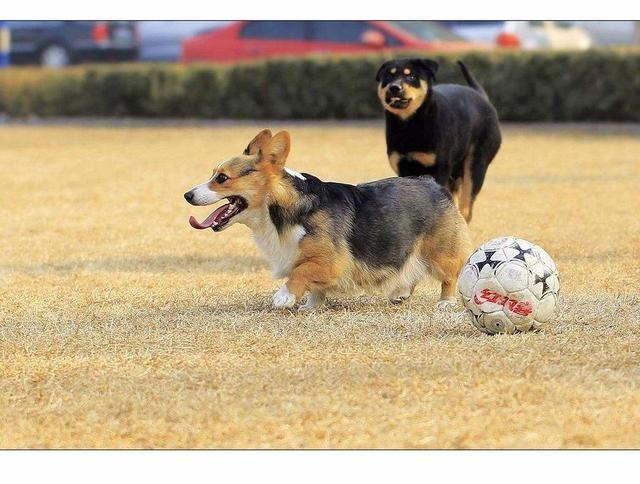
[447,250]
[411,273]
[400,294]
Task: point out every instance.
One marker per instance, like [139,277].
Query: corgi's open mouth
[221,215]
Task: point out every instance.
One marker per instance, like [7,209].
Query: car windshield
[426,30]
[565,24]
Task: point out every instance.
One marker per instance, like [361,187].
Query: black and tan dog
[450,132]
[327,237]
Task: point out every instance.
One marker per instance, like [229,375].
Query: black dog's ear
[429,67]
[382,68]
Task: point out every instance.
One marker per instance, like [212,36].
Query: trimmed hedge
[600,85]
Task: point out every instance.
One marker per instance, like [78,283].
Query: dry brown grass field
[120,326]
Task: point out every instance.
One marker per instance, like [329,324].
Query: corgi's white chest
[281,251]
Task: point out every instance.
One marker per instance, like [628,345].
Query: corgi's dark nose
[188,196]
[395,89]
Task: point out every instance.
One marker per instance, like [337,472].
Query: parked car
[59,43]
[612,32]
[533,34]
[259,39]
[161,40]
[477,30]
[544,34]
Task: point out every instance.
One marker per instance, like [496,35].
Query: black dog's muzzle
[394,96]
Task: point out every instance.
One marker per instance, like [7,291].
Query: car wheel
[55,56]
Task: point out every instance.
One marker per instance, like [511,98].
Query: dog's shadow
[385,318]
[153,264]
[363,307]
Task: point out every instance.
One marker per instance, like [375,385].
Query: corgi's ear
[278,149]
[260,141]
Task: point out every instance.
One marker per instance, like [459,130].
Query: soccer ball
[509,285]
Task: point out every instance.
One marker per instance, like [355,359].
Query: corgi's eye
[221,178]
[411,78]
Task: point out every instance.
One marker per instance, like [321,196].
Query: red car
[259,39]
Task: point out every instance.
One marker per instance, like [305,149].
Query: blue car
[57,43]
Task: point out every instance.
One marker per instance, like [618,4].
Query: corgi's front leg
[310,277]
[315,299]
[317,269]
[283,298]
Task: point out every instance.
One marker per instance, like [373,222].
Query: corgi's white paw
[446,305]
[314,301]
[283,298]
[307,307]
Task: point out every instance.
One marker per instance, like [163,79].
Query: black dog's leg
[483,153]
[443,171]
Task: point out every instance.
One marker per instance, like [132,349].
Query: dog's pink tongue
[210,220]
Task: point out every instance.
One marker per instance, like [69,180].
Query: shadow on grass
[153,264]
[346,320]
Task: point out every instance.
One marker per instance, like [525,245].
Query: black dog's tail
[472,80]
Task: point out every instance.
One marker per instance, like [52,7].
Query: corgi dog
[329,237]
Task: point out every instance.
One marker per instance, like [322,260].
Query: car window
[391,40]
[339,31]
[280,29]
[471,23]
[564,24]
[424,30]
[345,31]
[35,24]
